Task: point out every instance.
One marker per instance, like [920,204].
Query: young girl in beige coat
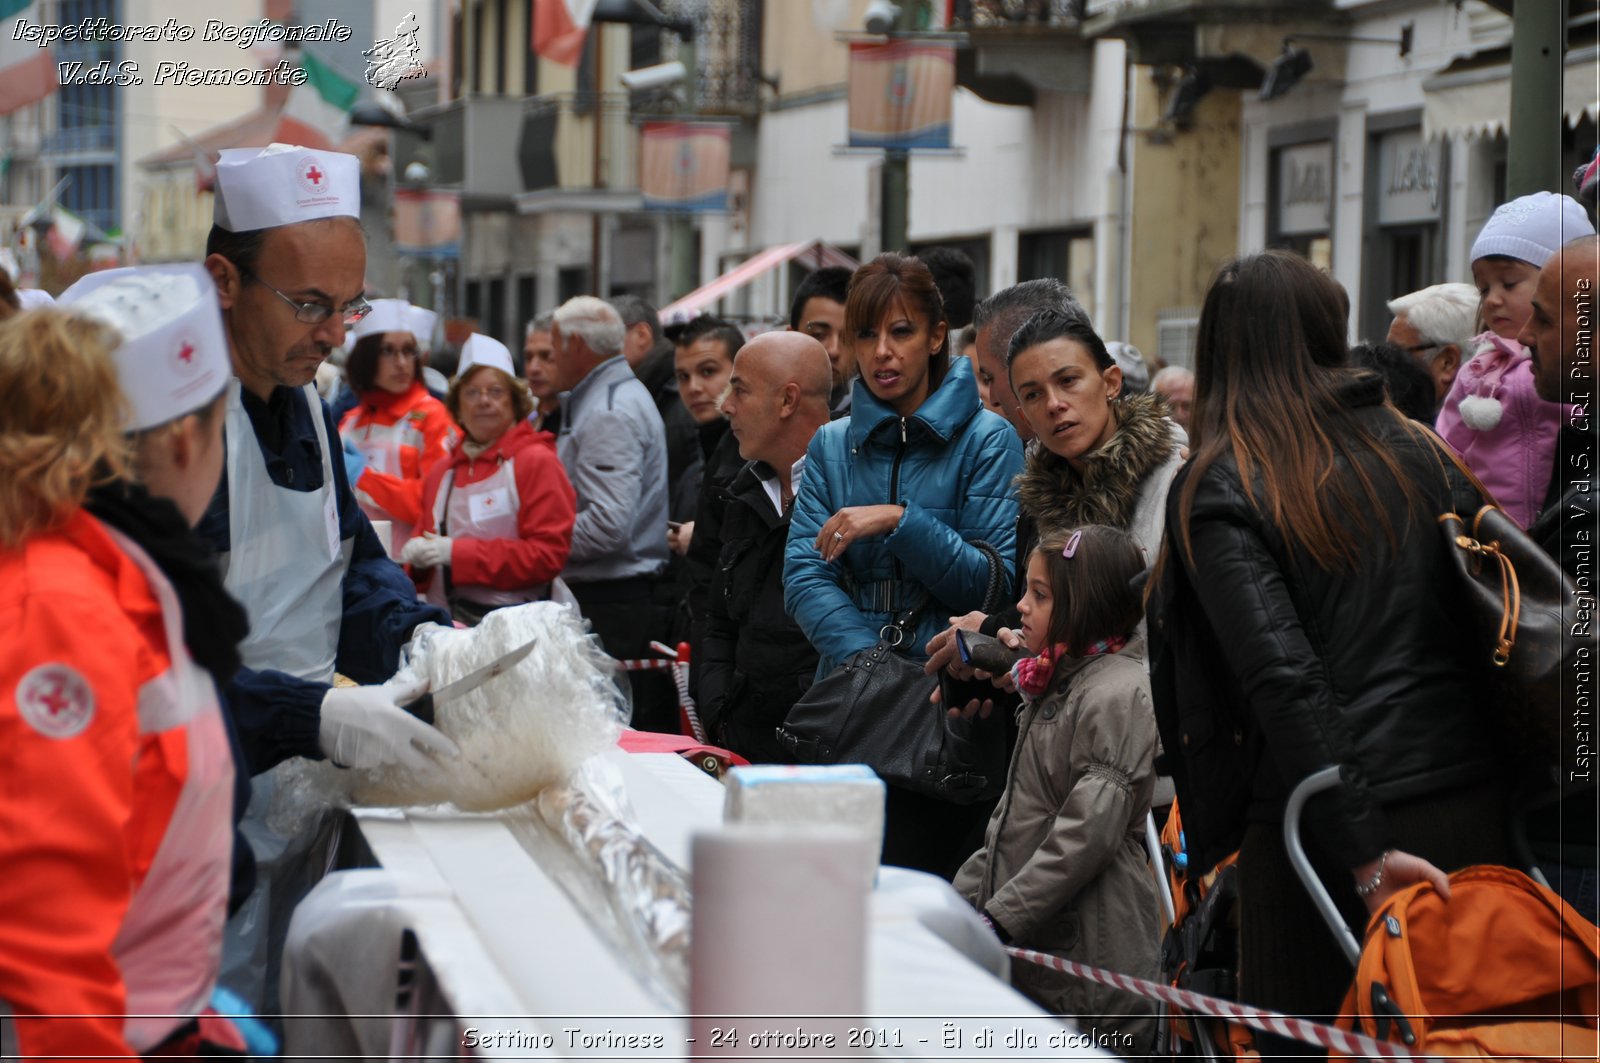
[1062,869]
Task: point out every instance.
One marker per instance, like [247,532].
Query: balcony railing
[561,143]
[80,140]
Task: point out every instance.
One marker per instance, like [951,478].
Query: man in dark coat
[755,661]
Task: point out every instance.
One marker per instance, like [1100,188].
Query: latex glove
[427,551]
[355,463]
[365,727]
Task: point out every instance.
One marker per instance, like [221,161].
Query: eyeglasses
[388,351]
[317,313]
[493,391]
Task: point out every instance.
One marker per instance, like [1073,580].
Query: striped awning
[813,253]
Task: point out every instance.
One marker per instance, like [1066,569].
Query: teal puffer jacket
[950,465]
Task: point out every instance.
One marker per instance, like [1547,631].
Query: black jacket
[756,661]
[1269,667]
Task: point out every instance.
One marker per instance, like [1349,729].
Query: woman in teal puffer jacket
[888,506]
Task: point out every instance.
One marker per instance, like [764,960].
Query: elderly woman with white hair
[1433,325]
[497,512]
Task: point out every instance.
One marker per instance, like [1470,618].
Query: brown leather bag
[1533,636]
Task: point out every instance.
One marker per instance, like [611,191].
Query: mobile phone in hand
[986,652]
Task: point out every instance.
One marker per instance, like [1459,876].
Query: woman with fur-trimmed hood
[1100,458]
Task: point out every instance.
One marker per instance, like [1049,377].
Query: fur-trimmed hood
[1057,496]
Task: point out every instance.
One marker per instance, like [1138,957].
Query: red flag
[559,29]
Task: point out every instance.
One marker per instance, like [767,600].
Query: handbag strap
[995,593]
[1490,552]
[1455,459]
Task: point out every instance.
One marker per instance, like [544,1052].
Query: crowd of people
[1216,582]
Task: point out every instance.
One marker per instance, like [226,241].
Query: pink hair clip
[1072,545]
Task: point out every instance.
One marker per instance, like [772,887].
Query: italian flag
[559,28]
[317,114]
[27,72]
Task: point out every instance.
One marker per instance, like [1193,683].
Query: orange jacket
[107,742]
[403,436]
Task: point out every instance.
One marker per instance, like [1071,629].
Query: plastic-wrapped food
[522,731]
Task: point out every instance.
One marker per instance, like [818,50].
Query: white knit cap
[480,350]
[423,321]
[174,355]
[388,315]
[1532,228]
[280,184]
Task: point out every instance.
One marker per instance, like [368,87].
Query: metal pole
[680,227]
[894,186]
[598,180]
[1538,51]
[894,181]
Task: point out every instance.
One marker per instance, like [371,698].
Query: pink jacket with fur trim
[1500,426]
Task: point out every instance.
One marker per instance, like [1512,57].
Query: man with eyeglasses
[1433,325]
[288,257]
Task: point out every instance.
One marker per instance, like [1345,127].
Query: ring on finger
[838,536]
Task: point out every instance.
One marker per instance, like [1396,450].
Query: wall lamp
[1295,63]
[1188,93]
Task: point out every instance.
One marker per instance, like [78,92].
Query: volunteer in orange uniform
[397,431]
[497,516]
[116,778]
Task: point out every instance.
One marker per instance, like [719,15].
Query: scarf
[1033,674]
[213,622]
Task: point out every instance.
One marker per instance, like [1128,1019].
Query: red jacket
[115,797]
[403,436]
[546,509]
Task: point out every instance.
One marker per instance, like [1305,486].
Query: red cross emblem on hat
[312,177]
[185,359]
[55,700]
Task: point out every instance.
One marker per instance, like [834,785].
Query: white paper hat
[484,350]
[29,298]
[388,315]
[423,322]
[174,354]
[263,188]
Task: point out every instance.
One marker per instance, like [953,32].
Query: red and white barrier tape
[1351,1044]
[680,679]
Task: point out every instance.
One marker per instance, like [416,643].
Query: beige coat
[1063,868]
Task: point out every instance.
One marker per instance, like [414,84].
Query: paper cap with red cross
[480,350]
[280,184]
[388,315]
[174,354]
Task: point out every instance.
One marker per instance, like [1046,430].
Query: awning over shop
[812,253]
[1472,96]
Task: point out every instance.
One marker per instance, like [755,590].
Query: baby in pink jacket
[1492,417]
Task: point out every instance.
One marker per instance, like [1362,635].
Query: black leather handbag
[873,709]
[1532,637]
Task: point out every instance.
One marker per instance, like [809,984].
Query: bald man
[754,661]
[1560,335]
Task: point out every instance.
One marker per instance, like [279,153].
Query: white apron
[487,509]
[381,445]
[170,943]
[285,560]
[286,565]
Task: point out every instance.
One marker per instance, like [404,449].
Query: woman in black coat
[1306,617]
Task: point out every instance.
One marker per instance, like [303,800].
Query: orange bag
[1505,968]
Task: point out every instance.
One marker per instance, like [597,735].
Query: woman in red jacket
[116,779]
[497,513]
[397,431]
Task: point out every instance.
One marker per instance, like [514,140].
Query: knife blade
[423,707]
